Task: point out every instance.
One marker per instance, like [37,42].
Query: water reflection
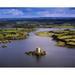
[38,58]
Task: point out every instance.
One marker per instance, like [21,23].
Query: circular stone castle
[37,52]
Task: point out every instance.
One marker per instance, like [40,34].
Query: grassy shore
[7,34]
[44,34]
[62,37]
[12,33]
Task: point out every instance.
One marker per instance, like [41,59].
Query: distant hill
[41,19]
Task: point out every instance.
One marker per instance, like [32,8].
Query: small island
[37,52]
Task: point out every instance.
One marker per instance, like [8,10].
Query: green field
[7,34]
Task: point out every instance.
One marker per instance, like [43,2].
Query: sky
[36,12]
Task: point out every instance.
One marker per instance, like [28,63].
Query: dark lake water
[13,55]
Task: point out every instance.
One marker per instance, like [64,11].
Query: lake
[13,55]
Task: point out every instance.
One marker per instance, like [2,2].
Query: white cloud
[15,12]
[12,12]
